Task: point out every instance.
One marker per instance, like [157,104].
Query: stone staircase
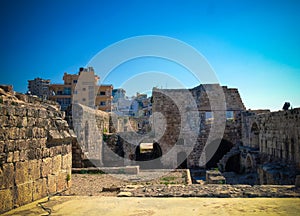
[233,151]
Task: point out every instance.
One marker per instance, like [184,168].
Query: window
[83,99]
[67,91]
[102,93]
[59,92]
[102,103]
[209,117]
[229,115]
[74,81]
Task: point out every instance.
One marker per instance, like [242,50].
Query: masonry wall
[35,150]
[89,126]
[278,134]
[183,117]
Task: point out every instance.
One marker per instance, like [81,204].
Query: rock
[110,189]
[124,194]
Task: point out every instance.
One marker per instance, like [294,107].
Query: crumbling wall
[89,126]
[35,151]
[275,137]
[180,128]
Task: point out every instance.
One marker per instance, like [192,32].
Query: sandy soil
[83,205]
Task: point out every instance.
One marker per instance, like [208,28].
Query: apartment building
[39,87]
[82,88]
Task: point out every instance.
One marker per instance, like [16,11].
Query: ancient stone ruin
[35,150]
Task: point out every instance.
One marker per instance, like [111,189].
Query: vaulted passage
[148,155]
[218,152]
[233,164]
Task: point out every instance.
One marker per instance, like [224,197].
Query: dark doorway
[222,149]
[233,164]
[182,160]
[148,158]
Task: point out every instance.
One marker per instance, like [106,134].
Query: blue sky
[251,45]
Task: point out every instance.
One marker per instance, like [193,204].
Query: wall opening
[254,136]
[182,160]
[233,164]
[222,149]
[148,155]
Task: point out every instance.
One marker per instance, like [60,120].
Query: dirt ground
[109,185]
[132,206]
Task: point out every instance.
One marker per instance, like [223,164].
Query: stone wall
[89,126]
[185,114]
[35,150]
[273,143]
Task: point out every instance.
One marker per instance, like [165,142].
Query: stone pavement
[92,205]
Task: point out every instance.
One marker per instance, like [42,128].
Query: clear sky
[252,45]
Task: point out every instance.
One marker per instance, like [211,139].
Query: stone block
[4,121]
[42,113]
[16,156]
[23,155]
[34,170]
[39,189]
[46,152]
[67,162]
[10,144]
[51,184]
[21,172]
[22,144]
[56,164]
[13,133]
[10,157]
[215,177]
[23,194]
[7,176]
[6,200]
[30,122]
[46,167]
[54,137]
[3,134]
[61,183]
[22,133]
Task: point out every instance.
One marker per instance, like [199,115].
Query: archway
[222,149]
[147,155]
[182,160]
[233,164]
[254,136]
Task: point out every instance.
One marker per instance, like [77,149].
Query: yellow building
[82,88]
[104,98]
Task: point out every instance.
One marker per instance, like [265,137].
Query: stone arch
[182,160]
[254,135]
[223,146]
[149,159]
